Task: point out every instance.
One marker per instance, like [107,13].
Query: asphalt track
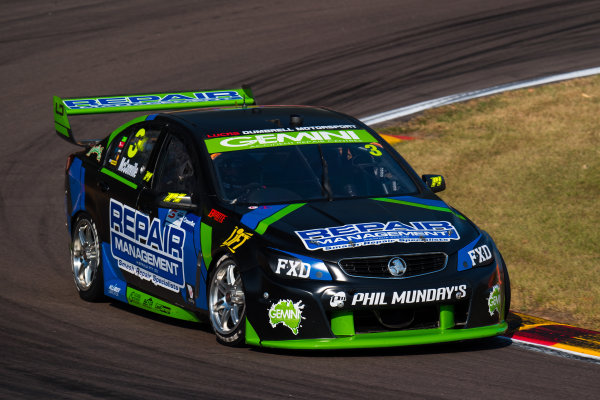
[355,56]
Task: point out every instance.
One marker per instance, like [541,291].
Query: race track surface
[355,56]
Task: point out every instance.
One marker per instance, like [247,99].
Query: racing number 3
[373,150]
[139,145]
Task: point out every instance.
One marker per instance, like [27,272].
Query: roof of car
[277,118]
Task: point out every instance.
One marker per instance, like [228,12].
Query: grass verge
[525,166]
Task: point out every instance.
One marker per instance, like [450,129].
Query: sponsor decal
[146,248]
[175,217]
[435,181]
[151,99]
[217,215]
[293,268]
[479,255]
[190,293]
[148,176]
[337,299]
[116,289]
[410,296]
[122,142]
[376,233]
[97,150]
[163,309]
[223,134]
[127,168]
[220,145]
[174,197]
[287,313]
[494,300]
[237,238]
[304,128]
[189,221]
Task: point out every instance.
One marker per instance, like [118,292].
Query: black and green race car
[284,226]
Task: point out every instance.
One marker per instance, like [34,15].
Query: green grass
[525,166]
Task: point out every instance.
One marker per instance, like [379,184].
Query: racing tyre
[506,293]
[86,260]
[227,303]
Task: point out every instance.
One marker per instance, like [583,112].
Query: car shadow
[203,325]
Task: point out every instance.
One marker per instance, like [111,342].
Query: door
[119,183]
[172,199]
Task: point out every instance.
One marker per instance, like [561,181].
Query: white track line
[455,98]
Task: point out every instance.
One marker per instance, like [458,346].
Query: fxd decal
[217,215]
[151,99]
[479,255]
[237,238]
[410,296]
[376,233]
[494,300]
[174,197]
[287,313]
[220,145]
[127,168]
[292,268]
[96,150]
[146,248]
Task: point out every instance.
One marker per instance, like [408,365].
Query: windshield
[328,171]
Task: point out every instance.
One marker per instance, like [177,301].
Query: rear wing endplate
[63,108]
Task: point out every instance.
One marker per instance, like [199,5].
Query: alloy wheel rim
[227,300]
[85,254]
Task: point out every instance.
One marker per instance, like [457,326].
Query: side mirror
[434,182]
[179,201]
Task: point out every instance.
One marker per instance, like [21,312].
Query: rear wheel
[227,303]
[85,259]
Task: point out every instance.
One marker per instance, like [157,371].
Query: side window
[130,152]
[175,172]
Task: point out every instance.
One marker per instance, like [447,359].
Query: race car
[283,226]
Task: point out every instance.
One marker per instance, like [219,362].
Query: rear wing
[63,108]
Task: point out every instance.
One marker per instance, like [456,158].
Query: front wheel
[227,303]
[85,259]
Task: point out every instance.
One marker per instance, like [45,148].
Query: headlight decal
[476,254]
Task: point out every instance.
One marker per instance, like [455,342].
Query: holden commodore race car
[284,226]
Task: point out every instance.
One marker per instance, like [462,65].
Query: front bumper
[306,315]
[379,339]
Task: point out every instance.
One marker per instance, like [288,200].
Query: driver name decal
[147,248]
[376,233]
